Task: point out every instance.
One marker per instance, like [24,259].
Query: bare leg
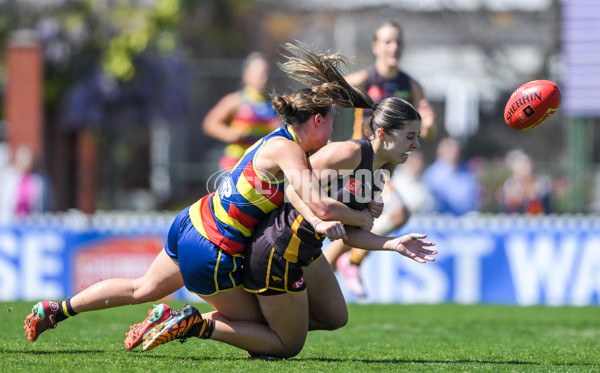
[236,305]
[161,279]
[327,307]
[285,334]
[287,316]
[358,255]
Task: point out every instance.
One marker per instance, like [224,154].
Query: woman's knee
[330,321]
[338,322]
[291,350]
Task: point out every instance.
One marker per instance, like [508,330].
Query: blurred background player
[241,118]
[384,79]
[381,80]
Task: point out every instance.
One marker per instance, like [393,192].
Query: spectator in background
[453,184]
[523,192]
[5,167]
[408,184]
[242,117]
[23,190]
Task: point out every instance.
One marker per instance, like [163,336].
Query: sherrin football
[532,104]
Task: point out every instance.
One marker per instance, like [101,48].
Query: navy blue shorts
[206,268]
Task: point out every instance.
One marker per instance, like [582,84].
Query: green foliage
[80,37]
[378,338]
[136,29]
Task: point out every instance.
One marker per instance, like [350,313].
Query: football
[532,104]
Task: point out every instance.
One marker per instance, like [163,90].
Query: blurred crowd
[440,179]
[23,190]
[448,184]
[453,185]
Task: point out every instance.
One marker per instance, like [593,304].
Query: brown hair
[391,114]
[393,24]
[253,56]
[327,86]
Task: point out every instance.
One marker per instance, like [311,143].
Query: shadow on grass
[384,361]
[139,354]
[52,352]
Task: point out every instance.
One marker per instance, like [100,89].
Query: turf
[421,338]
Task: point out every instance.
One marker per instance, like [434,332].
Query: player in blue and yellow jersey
[241,118]
[284,265]
[206,241]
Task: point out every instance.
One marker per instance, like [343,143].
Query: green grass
[378,338]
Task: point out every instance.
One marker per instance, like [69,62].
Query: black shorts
[267,272]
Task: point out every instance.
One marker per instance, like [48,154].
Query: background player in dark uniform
[381,80]
[297,290]
[385,79]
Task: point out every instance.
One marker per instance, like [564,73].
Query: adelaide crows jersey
[253,120]
[229,216]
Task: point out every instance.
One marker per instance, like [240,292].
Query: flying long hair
[326,85]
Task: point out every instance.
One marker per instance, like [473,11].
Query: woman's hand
[368,224]
[412,246]
[376,206]
[332,229]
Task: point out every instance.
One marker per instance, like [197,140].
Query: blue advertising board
[489,259]
[552,260]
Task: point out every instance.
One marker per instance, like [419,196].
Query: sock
[356,257]
[202,329]
[65,311]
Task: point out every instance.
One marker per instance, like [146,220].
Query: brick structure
[23,95]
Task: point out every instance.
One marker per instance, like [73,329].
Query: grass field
[378,338]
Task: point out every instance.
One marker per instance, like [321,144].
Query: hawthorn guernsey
[532,104]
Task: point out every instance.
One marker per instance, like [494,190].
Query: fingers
[417,236]
[340,232]
[344,236]
[375,207]
[427,257]
[376,214]
[337,231]
[417,253]
[421,258]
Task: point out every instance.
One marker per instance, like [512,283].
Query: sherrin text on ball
[532,104]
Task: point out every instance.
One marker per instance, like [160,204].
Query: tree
[107,65]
